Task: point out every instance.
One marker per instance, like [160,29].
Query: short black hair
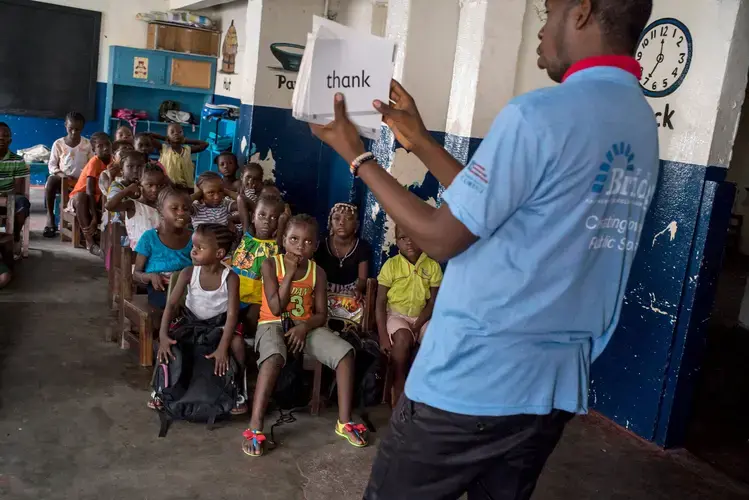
[99,136]
[75,116]
[120,144]
[6,126]
[622,21]
[142,135]
[272,200]
[150,168]
[306,220]
[225,153]
[251,166]
[208,176]
[224,236]
[167,192]
[133,155]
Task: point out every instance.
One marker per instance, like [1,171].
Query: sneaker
[240,405]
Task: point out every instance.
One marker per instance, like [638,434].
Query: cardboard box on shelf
[183,39]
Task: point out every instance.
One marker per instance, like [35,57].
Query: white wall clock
[665,54]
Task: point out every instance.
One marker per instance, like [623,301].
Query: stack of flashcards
[341,59]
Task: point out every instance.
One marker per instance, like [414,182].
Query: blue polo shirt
[557,194]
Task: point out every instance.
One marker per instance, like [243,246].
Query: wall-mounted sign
[665,54]
[140,68]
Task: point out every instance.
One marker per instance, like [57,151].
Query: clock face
[665,54]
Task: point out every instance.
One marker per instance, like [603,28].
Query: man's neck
[3,152]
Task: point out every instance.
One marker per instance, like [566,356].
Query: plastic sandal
[253,440]
[49,232]
[359,430]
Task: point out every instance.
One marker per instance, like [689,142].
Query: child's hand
[282,220]
[133,190]
[221,356]
[292,263]
[297,337]
[156,280]
[385,344]
[165,350]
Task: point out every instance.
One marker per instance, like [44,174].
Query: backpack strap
[165,422]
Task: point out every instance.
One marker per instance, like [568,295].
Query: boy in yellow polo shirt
[408,285]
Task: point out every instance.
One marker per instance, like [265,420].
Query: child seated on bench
[124,133]
[68,157]
[408,285]
[84,199]
[114,170]
[227,166]
[166,249]
[136,194]
[212,297]
[345,258]
[13,173]
[295,287]
[211,203]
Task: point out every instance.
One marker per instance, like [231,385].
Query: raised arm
[435,230]
[196,145]
[403,118]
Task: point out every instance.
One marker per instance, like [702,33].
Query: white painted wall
[706,106]
[118,24]
[224,14]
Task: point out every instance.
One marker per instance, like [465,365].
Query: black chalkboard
[49,57]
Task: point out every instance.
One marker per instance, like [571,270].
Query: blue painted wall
[29,131]
[645,378]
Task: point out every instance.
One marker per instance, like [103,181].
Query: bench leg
[145,341]
[316,387]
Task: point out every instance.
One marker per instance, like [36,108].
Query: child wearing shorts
[295,288]
[408,285]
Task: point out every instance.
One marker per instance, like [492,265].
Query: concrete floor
[74,425]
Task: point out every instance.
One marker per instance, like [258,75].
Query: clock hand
[658,60]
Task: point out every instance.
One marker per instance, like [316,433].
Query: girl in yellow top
[176,155]
[295,287]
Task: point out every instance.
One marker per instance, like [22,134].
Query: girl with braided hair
[345,258]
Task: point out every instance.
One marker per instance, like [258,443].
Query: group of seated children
[244,262]
[96,168]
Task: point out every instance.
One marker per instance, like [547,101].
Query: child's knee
[5,278]
[80,200]
[276,360]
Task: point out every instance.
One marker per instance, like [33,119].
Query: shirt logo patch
[617,150]
[476,177]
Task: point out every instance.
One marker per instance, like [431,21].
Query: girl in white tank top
[206,304]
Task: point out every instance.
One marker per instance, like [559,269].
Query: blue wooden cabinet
[141,79]
[159,69]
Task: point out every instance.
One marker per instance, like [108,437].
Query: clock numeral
[655,86]
[652,35]
[681,39]
[639,56]
[675,72]
[664,31]
[645,42]
[681,58]
[647,79]
[665,83]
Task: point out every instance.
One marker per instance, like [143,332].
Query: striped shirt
[12,167]
[203,214]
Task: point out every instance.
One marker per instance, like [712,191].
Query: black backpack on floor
[186,388]
[369,380]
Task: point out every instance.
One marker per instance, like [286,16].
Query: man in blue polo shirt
[540,230]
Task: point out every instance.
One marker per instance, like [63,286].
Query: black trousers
[432,454]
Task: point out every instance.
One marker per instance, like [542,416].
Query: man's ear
[582,13]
